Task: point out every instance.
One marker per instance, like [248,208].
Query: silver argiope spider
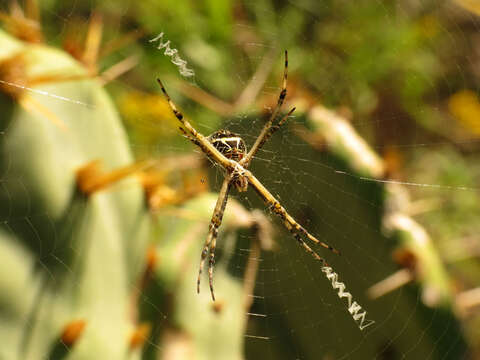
[229,151]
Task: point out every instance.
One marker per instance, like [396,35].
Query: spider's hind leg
[210,242]
[299,229]
[288,221]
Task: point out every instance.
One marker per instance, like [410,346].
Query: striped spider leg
[211,241]
[229,151]
[269,128]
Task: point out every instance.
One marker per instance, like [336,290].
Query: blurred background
[105,205]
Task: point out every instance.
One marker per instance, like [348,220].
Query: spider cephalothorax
[233,147]
[229,144]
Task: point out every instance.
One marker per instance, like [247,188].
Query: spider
[228,150]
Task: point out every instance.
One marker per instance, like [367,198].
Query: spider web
[295,312]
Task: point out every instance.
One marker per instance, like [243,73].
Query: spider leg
[280,211]
[288,221]
[211,263]
[200,140]
[307,248]
[210,242]
[178,114]
[266,133]
[190,137]
[275,127]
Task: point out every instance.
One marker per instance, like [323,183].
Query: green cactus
[70,256]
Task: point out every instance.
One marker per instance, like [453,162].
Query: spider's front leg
[210,242]
[269,128]
[197,138]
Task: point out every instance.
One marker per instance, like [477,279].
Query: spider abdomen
[229,144]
